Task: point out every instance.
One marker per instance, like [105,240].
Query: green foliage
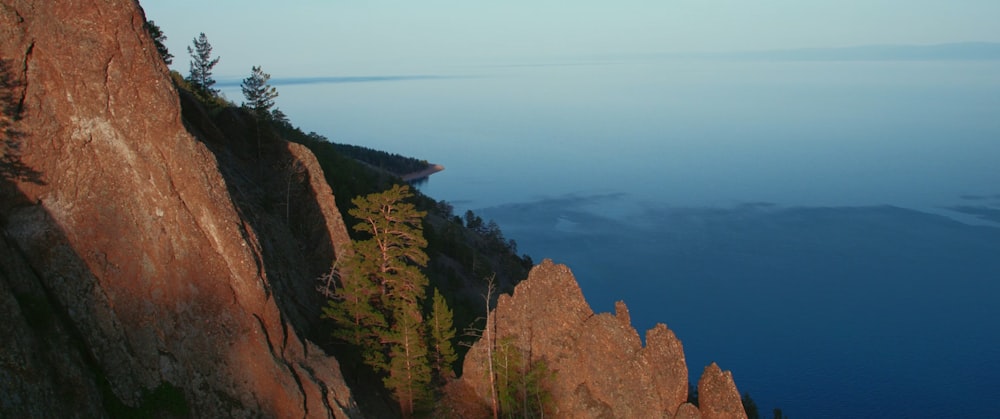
[400,248]
[158,39]
[391,162]
[473,221]
[395,230]
[458,256]
[166,400]
[522,384]
[442,334]
[750,407]
[259,94]
[213,104]
[409,374]
[201,65]
[354,307]
[346,176]
[382,291]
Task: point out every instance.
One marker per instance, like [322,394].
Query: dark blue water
[825,312]
[826,230]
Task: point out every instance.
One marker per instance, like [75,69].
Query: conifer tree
[259,94]
[522,385]
[260,99]
[383,278]
[441,332]
[202,64]
[397,239]
[409,374]
[158,39]
[355,308]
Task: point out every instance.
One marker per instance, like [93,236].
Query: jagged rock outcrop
[601,367]
[717,394]
[129,278]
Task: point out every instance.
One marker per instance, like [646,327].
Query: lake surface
[829,231]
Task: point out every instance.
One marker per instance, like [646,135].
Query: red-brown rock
[688,411]
[601,367]
[718,397]
[131,250]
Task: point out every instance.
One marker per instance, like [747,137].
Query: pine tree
[260,99]
[355,308]
[383,278]
[202,64]
[396,236]
[409,374]
[158,39]
[259,94]
[522,385]
[750,407]
[441,332]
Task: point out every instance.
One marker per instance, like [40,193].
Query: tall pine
[259,93]
[441,332]
[355,307]
[409,374]
[396,239]
[384,278]
[260,97]
[202,64]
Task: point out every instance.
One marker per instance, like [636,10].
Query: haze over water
[794,221]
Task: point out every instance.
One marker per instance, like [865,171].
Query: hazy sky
[357,37]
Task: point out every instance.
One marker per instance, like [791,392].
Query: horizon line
[290,81]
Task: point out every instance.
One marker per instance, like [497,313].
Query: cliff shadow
[51,301]
[52,356]
[271,190]
[53,307]
[12,104]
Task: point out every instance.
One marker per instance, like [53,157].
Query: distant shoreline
[430,170]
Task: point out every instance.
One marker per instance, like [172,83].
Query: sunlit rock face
[128,274]
[601,367]
[718,395]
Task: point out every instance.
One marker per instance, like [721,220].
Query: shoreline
[430,170]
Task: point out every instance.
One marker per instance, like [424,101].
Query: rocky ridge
[601,367]
[130,279]
[144,271]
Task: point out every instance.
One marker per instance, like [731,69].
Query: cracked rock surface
[126,270]
[601,367]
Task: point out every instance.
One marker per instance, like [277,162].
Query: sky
[310,38]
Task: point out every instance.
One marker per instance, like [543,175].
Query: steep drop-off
[131,278]
[152,263]
[601,368]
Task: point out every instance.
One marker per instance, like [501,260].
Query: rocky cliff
[600,366]
[134,276]
[152,264]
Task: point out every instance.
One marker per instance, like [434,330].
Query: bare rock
[601,367]
[688,411]
[666,363]
[135,248]
[718,397]
[460,400]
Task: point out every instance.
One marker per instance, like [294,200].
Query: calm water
[796,222]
